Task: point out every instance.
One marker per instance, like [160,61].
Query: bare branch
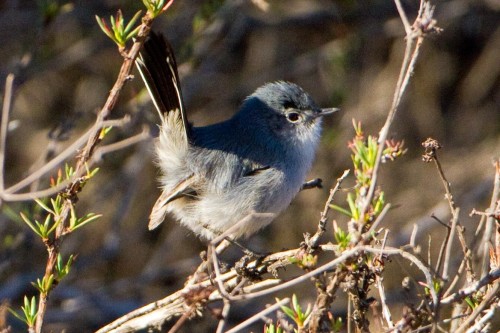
[259,316]
[474,287]
[490,297]
[448,254]
[65,154]
[99,152]
[403,16]
[224,315]
[414,40]
[7,102]
[314,240]
[383,300]
[490,221]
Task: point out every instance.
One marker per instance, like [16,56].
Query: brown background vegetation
[345,53]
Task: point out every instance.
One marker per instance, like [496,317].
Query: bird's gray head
[287,110]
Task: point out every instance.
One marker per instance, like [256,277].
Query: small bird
[236,175]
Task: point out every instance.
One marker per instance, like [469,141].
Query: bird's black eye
[293,117]
[289,105]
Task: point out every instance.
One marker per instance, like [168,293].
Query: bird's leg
[246,251]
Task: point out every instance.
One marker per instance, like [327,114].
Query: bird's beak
[326,111]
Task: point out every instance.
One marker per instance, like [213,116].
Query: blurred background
[345,53]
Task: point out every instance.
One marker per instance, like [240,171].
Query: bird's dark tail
[157,66]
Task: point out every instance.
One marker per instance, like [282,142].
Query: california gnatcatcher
[241,172]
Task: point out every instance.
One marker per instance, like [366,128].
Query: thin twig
[368,235]
[427,327]
[404,19]
[474,287]
[28,196]
[65,154]
[446,184]
[407,67]
[471,276]
[185,316]
[429,247]
[341,259]
[381,290]
[349,314]
[112,147]
[457,277]
[490,221]
[485,319]
[448,254]
[314,240]
[225,313]
[490,297]
[7,102]
[200,271]
[259,316]
[325,299]
[413,236]
[442,249]
[218,280]
[466,262]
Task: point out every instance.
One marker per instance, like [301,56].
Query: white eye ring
[293,117]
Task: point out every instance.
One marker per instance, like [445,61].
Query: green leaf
[105,131]
[341,210]
[336,324]
[308,311]
[69,171]
[104,27]
[11,213]
[63,269]
[470,302]
[56,205]
[155,7]
[352,207]
[288,311]
[44,206]
[44,228]
[18,316]
[295,303]
[379,204]
[342,238]
[54,226]
[85,220]
[33,309]
[118,32]
[92,173]
[45,284]
[29,312]
[132,22]
[30,224]
[271,328]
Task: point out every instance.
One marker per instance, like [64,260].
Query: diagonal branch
[424,23]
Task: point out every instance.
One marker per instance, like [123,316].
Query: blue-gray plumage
[215,176]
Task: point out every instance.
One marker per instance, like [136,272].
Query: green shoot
[118,32]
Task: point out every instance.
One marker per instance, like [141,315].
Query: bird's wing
[185,188]
[157,66]
[254,169]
